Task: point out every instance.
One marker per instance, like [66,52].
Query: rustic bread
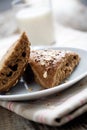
[51,67]
[14,63]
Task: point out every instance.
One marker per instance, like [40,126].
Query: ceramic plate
[22,91]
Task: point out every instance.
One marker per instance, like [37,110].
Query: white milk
[38,24]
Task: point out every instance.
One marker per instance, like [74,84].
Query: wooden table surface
[11,121]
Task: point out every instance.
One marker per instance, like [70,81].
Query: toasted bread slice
[51,67]
[14,62]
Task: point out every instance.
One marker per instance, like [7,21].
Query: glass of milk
[35,18]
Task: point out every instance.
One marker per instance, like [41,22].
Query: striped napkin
[54,110]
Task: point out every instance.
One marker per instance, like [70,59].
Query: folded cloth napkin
[56,109]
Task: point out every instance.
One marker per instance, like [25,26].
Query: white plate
[33,91]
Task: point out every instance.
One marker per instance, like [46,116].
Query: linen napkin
[56,109]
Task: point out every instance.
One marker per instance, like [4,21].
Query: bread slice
[14,63]
[51,67]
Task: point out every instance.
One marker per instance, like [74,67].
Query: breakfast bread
[51,67]
[14,62]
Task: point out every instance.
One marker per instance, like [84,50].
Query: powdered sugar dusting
[47,57]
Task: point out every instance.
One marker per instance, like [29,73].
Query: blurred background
[5,5]
[70,14]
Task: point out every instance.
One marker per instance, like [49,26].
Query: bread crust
[51,67]
[14,63]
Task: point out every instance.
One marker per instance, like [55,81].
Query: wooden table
[11,121]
